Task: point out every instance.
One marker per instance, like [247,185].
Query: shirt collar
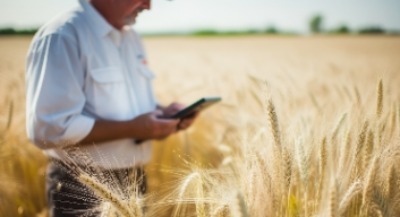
[97,22]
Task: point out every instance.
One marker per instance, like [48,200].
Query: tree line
[315,25]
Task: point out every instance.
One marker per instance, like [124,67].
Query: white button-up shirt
[80,69]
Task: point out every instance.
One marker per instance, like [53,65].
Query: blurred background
[229,16]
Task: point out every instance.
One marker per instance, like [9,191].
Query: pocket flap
[107,75]
[146,72]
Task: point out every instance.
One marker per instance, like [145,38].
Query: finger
[183,125]
[177,106]
[170,126]
[188,121]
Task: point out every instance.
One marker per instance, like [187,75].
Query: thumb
[158,113]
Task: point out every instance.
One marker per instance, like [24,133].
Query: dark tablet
[199,105]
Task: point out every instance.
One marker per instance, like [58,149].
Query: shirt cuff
[78,129]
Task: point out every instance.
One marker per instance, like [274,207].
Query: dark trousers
[67,197]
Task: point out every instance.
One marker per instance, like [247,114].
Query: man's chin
[129,21]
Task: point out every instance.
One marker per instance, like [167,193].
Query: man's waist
[120,154]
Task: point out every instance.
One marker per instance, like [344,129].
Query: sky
[189,15]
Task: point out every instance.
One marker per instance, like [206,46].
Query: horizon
[193,15]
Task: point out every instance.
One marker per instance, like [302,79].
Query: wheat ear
[354,190]
[262,167]
[358,97]
[392,184]
[368,149]
[239,206]
[379,101]
[333,209]
[323,157]
[287,168]
[273,121]
[221,211]
[102,191]
[322,166]
[135,206]
[370,183]
[10,115]
[359,149]
[184,187]
[338,126]
[344,152]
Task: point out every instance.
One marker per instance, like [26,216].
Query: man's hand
[187,122]
[176,107]
[154,127]
[171,109]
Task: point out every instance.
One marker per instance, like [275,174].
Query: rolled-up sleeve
[55,97]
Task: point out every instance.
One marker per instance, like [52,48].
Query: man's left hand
[176,107]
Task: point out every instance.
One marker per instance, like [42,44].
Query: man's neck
[103,7]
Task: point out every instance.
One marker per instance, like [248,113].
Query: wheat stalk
[200,206]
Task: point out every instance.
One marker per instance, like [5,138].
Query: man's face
[130,9]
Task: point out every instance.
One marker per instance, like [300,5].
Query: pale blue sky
[186,15]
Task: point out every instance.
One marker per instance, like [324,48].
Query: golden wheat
[285,171]
[379,101]
[105,193]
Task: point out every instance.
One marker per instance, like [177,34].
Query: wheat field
[308,126]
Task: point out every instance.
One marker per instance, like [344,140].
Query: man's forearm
[104,131]
[143,127]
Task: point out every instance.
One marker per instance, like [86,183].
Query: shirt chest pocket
[107,93]
[109,75]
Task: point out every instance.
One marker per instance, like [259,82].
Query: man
[89,86]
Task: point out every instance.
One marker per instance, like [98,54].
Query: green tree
[271,30]
[343,29]
[316,24]
[372,30]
